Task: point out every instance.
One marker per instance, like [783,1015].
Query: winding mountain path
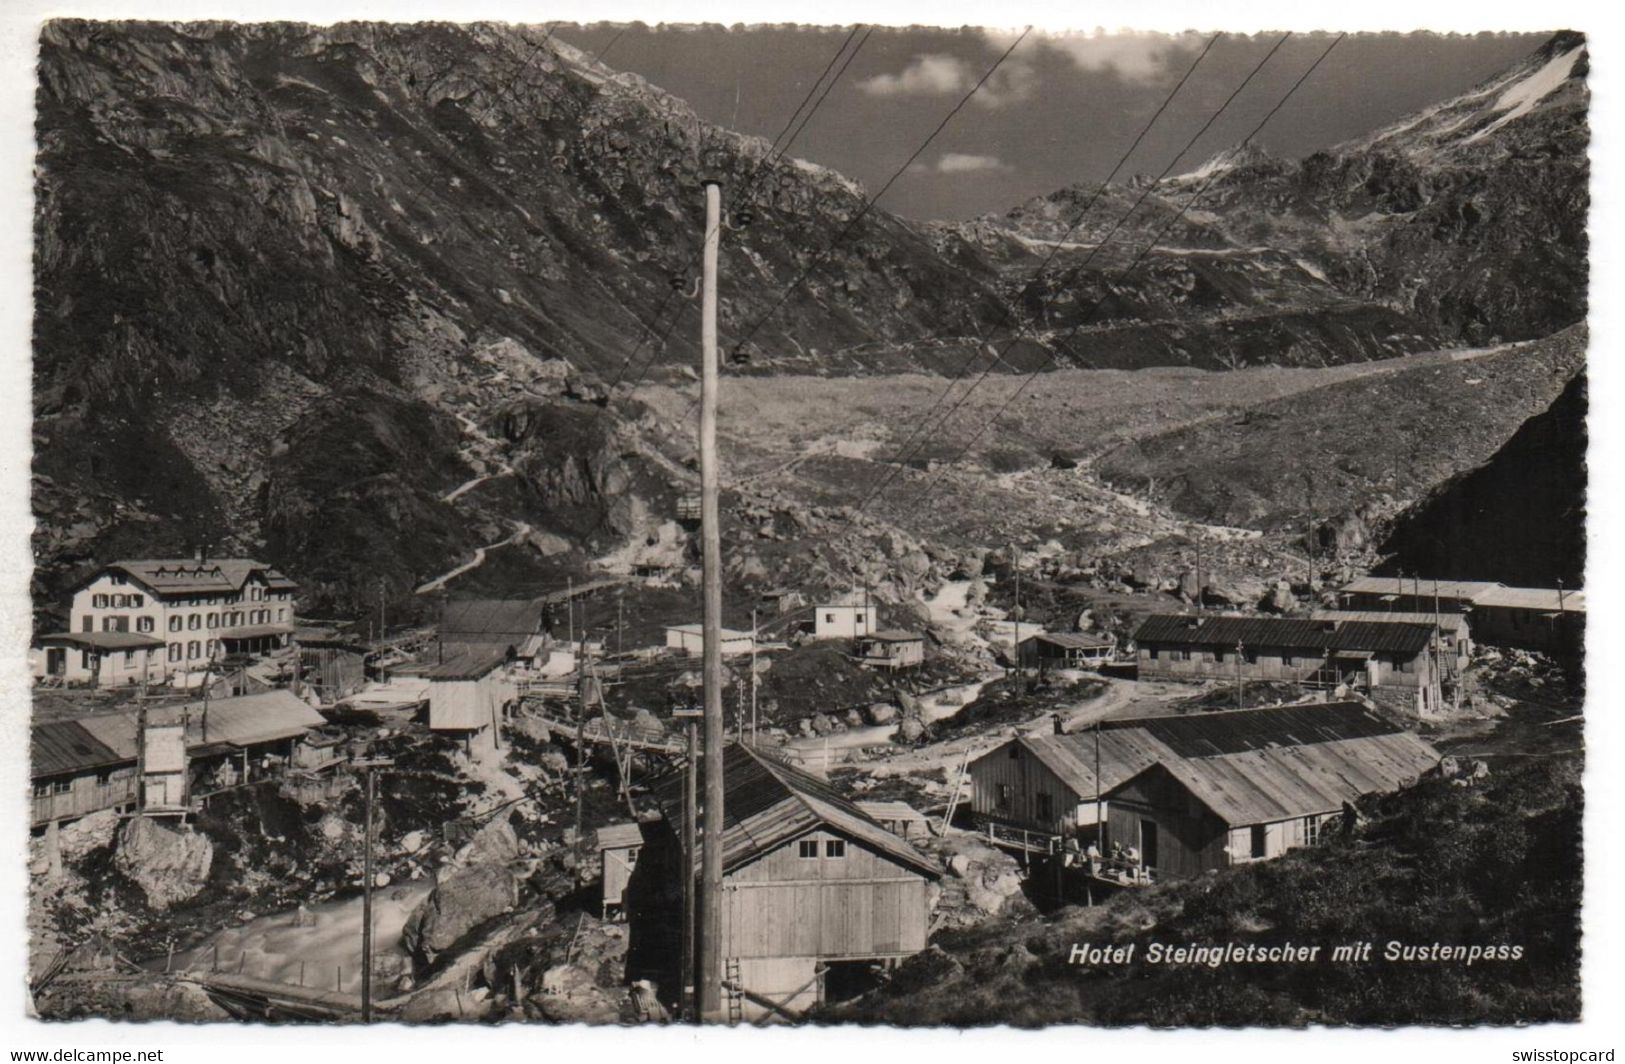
[521,530]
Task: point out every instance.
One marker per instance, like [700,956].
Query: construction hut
[480,624]
[1409,594]
[814,889]
[1372,656]
[892,648]
[848,617]
[1040,794]
[332,664]
[1066,650]
[1455,633]
[899,818]
[469,690]
[99,659]
[1546,619]
[1036,791]
[75,774]
[618,846]
[1248,785]
[109,762]
[690,639]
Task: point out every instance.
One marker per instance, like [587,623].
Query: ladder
[953,795]
[736,999]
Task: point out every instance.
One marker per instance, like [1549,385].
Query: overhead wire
[1178,216]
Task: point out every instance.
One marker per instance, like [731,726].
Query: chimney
[201,555]
[1056,719]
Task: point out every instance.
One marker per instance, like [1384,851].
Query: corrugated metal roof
[1123,752]
[1454,623]
[1285,632]
[65,748]
[894,635]
[1234,731]
[1393,585]
[1545,599]
[256,631]
[468,661]
[767,803]
[245,720]
[618,836]
[102,640]
[1072,640]
[1263,786]
[892,811]
[491,620]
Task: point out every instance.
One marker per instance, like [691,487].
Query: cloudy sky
[1060,110]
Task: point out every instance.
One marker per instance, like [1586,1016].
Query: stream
[317,945]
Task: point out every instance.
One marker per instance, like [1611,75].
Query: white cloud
[954,162]
[958,162]
[1139,57]
[928,75]
[947,75]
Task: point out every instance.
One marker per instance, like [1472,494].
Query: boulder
[882,713]
[495,843]
[456,906]
[570,995]
[911,730]
[169,866]
[93,832]
[1281,597]
[853,718]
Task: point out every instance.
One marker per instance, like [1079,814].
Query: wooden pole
[1240,699]
[753,631]
[366,906]
[1015,562]
[691,808]
[711,857]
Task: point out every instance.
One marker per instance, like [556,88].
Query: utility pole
[753,631]
[383,626]
[1200,598]
[1241,700]
[620,604]
[690,718]
[581,742]
[366,887]
[711,858]
[570,606]
[1015,561]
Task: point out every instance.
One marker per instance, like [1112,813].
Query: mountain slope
[1463,224]
[248,235]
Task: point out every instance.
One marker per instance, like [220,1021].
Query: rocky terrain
[366,279]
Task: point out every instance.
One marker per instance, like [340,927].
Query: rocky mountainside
[300,289]
[1463,224]
[288,277]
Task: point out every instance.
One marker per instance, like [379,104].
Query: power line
[869,204]
[1073,273]
[768,160]
[999,355]
[930,486]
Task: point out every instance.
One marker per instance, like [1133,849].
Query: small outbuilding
[1066,650]
[892,648]
[618,846]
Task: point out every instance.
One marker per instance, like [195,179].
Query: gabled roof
[187,576]
[491,620]
[894,635]
[893,811]
[468,661]
[767,803]
[1454,623]
[1072,757]
[1264,786]
[65,748]
[246,720]
[73,746]
[1284,632]
[1394,585]
[1072,640]
[1543,599]
[1235,731]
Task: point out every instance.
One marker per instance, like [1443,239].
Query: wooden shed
[1065,650]
[466,691]
[892,649]
[618,847]
[1255,800]
[810,881]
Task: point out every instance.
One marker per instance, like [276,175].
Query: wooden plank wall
[1027,777]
